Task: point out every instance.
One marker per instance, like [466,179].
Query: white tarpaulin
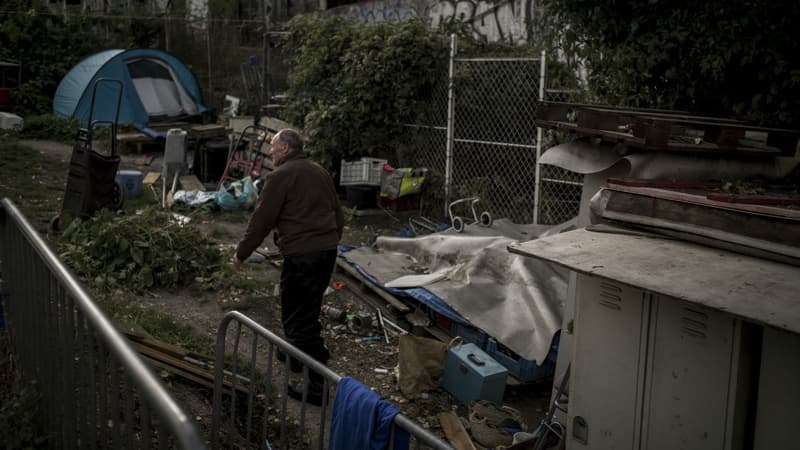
[515,299]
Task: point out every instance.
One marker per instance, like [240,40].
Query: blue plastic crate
[470,334]
[521,368]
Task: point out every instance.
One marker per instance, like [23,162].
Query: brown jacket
[298,200]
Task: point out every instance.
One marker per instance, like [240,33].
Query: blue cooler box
[131,181]
[471,374]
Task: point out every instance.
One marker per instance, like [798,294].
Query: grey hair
[292,138]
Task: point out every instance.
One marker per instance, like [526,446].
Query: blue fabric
[421,295]
[362,420]
[155,134]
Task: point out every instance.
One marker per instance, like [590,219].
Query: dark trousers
[304,279]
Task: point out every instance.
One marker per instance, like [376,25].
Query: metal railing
[248,413]
[95,390]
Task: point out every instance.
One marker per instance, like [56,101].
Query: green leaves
[140,252]
[352,86]
[713,57]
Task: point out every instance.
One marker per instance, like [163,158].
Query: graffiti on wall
[504,20]
[383,10]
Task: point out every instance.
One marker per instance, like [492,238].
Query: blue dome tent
[157,87]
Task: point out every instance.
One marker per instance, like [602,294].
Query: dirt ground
[365,360]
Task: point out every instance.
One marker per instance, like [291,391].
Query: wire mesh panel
[251,391]
[94,390]
[494,137]
[559,189]
[493,144]
[560,195]
[426,146]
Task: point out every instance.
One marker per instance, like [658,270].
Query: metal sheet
[585,157]
[752,288]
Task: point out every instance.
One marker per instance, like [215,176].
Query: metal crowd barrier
[95,391]
[248,413]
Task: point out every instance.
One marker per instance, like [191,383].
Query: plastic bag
[401,182]
[237,195]
[421,364]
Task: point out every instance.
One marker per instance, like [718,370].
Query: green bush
[49,127]
[141,251]
[715,57]
[352,87]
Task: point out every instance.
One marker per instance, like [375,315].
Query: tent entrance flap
[161,95]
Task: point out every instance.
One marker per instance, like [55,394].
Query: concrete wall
[505,20]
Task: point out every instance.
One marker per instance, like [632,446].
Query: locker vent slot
[694,323]
[610,296]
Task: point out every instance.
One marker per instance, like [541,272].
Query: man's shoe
[295,365]
[313,397]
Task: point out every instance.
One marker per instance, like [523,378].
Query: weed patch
[142,251]
[135,318]
[18,405]
[34,183]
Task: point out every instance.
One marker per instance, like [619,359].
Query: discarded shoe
[295,365]
[313,397]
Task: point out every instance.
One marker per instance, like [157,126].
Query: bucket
[131,181]
[362,197]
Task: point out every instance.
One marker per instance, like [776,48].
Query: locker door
[605,394]
[689,378]
[778,391]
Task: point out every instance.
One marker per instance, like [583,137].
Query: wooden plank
[667,194]
[635,182]
[391,299]
[131,138]
[755,199]
[207,131]
[191,183]
[455,432]
[656,126]
[670,146]
[614,136]
[365,297]
[565,106]
[163,347]
[151,178]
[181,367]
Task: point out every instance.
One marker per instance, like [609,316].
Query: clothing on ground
[361,419]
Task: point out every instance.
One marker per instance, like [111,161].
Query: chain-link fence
[559,189]
[478,139]
[223,43]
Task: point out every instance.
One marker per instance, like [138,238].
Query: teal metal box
[471,374]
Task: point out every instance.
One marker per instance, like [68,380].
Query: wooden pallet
[673,131]
[135,141]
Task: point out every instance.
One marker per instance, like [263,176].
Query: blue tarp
[422,295]
[74,94]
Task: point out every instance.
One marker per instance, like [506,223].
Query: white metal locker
[778,391]
[690,382]
[606,384]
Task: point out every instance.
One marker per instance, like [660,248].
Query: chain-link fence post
[451,104]
[537,189]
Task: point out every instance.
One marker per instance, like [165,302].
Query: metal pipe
[168,411]
[538,186]
[448,168]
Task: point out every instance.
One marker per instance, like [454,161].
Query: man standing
[299,201]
